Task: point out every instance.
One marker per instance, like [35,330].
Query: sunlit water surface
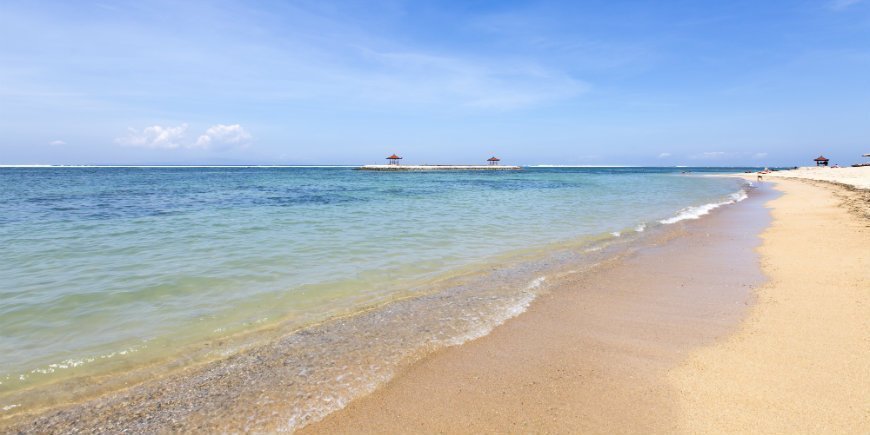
[106,268]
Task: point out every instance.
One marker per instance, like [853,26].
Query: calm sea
[107,269]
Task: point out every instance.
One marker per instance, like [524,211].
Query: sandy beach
[753,318]
[854,177]
[399,217]
[800,362]
[649,347]
[594,354]
[278,376]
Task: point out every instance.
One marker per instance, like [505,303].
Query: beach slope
[659,342]
[800,363]
[592,356]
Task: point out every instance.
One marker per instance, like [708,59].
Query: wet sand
[594,354]
[800,363]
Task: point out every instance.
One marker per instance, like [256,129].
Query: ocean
[118,273]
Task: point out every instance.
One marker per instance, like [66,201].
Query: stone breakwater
[438,168]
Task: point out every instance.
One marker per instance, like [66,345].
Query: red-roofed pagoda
[821,161]
[493,160]
[394,159]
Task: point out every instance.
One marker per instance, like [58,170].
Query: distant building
[493,161]
[821,161]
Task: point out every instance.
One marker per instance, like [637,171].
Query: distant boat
[859,165]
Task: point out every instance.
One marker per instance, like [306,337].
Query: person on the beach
[759,177]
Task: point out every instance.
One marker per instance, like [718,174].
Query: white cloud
[57,143]
[154,137]
[223,136]
[759,155]
[217,137]
[663,155]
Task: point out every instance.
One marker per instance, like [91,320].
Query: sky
[697,83]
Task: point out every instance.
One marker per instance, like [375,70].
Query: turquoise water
[105,268]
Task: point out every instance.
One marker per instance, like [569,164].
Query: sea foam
[696,212]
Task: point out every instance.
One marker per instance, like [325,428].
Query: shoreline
[795,361]
[593,353]
[650,340]
[208,397]
[56,404]
[799,363]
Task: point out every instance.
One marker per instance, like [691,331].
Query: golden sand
[590,357]
[659,343]
[800,363]
[664,340]
[856,177]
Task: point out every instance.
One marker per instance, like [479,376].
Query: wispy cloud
[280,60]
[839,5]
[218,137]
[719,155]
[451,80]
[57,143]
[421,77]
[222,136]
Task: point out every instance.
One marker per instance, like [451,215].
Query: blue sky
[575,82]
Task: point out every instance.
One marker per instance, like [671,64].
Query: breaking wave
[696,212]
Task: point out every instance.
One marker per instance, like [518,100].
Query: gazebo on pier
[493,161]
[821,161]
[394,159]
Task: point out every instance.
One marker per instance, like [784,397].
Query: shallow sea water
[108,270]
